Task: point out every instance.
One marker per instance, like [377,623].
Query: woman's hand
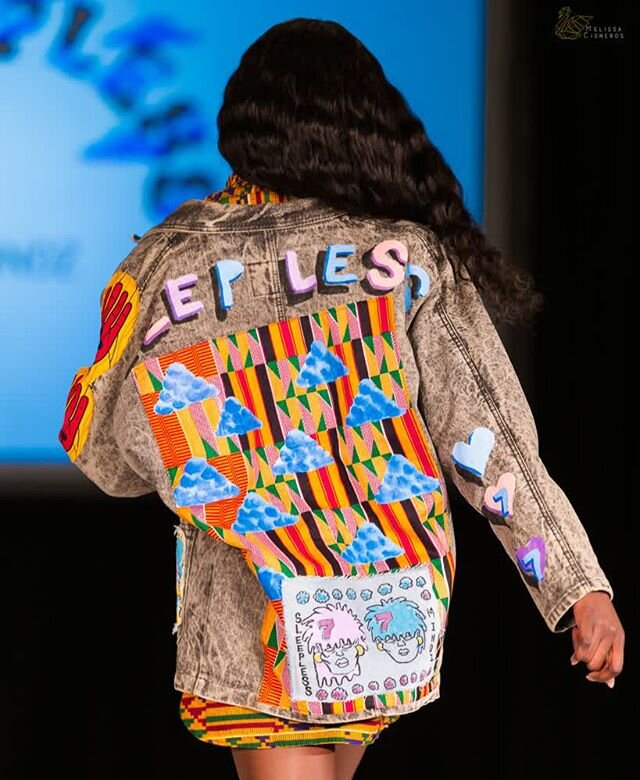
[598,637]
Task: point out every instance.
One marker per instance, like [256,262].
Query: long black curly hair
[309,112]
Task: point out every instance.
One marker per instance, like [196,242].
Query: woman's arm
[486,439]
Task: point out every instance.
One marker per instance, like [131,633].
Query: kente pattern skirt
[231,726]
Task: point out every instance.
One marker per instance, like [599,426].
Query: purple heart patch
[532,558]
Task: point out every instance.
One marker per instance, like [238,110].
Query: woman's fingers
[617,653]
[602,651]
[585,639]
[597,661]
[598,637]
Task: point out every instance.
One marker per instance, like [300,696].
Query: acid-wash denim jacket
[300,385]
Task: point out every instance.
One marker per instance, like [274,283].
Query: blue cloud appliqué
[236,419]
[369,545]
[256,514]
[202,484]
[371,404]
[320,367]
[403,480]
[181,388]
[271,581]
[300,453]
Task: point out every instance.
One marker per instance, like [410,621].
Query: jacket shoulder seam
[154,266]
[270,225]
[431,248]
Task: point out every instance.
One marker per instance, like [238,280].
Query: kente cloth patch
[297,443]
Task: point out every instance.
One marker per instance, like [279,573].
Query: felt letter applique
[393,267]
[334,263]
[297,282]
[424,282]
[227,271]
[390,259]
[179,294]
[179,297]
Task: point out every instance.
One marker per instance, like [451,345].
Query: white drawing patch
[353,636]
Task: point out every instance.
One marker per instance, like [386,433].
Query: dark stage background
[89,665]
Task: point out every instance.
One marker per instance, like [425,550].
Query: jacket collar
[241,191]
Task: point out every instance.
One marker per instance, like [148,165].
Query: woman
[312,128]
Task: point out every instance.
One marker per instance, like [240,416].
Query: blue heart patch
[474,454]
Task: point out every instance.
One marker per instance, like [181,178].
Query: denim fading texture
[459,378]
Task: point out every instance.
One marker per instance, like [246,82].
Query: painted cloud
[256,514]
[371,404]
[370,545]
[300,453]
[271,581]
[181,388]
[403,480]
[202,484]
[320,366]
[236,419]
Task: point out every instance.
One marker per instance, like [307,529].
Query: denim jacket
[301,386]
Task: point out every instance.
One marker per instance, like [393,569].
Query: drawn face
[341,660]
[404,648]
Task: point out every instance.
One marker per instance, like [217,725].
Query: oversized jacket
[301,386]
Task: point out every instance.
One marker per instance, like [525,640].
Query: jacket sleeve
[486,439]
[87,431]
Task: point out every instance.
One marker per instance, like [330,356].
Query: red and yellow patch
[120,303]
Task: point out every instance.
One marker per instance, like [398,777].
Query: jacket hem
[211,689]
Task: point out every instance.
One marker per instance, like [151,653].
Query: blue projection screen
[108,123]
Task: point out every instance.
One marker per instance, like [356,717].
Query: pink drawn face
[336,638]
[341,660]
